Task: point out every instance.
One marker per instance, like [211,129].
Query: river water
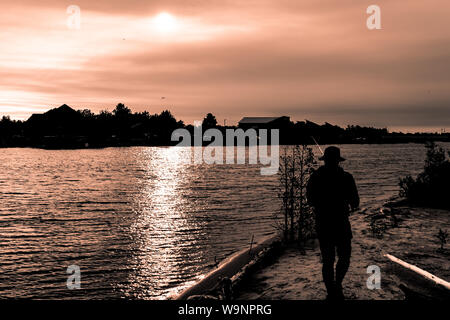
[140,222]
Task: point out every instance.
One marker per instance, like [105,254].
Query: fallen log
[227,269]
[419,271]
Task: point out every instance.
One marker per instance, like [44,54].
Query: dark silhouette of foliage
[121,111]
[295,219]
[209,121]
[64,127]
[432,186]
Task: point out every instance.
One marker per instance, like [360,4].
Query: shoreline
[89,147]
[230,271]
[298,277]
[287,274]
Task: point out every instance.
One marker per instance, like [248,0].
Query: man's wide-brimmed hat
[332,153]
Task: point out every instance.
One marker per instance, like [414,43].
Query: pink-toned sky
[308,59]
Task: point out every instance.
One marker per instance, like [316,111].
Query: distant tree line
[65,127]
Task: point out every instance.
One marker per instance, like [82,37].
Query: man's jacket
[332,192]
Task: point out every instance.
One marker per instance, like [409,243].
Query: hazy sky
[308,59]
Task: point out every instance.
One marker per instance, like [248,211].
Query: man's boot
[339,292]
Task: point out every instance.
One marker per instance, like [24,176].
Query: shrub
[431,188]
[297,218]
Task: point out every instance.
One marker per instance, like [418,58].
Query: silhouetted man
[332,192]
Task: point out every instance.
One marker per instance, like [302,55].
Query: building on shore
[265,122]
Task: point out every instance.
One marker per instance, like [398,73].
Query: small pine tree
[297,221]
[432,186]
[209,121]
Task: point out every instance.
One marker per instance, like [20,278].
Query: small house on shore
[264,122]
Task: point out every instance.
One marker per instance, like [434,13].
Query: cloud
[306,59]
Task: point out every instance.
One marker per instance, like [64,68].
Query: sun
[165,22]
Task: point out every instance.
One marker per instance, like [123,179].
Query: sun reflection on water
[161,223]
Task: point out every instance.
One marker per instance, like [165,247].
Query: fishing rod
[321,151]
